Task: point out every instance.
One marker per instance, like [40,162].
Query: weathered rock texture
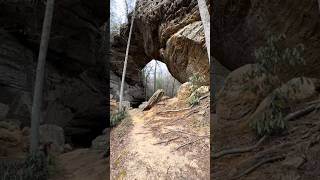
[243,91]
[165,30]
[297,145]
[241,27]
[155,98]
[75,70]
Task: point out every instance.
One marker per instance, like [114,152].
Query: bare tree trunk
[155,77]
[205,18]
[146,88]
[38,90]
[172,91]
[126,9]
[319,4]
[125,62]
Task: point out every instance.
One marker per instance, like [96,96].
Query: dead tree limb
[297,114]
[155,98]
[203,97]
[167,141]
[238,150]
[190,142]
[257,165]
[176,110]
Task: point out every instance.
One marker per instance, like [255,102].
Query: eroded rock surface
[168,31]
[75,69]
[241,27]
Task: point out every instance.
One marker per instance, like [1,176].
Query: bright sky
[118,7]
[161,67]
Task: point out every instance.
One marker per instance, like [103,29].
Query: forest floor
[162,144]
[292,155]
[82,164]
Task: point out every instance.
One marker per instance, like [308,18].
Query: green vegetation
[36,166]
[196,80]
[274,124]
[194,99]
[274,54]
[270,57]
[118,117]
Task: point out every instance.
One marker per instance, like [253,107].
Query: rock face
[185,53]
[241,26]
[10,139]
[185,90]
[168,31]
[133,93]
[101,142]
[3,110]
[74,83]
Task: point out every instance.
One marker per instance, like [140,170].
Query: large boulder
[54,135]
[101,142]
[184,91]
[155,98]
[294,91]
[11,140]
[202,90]
[243,91]
[185,53]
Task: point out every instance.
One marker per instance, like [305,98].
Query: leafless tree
[126,61]
[155,76]
[205,18]
[172,91]
[38,90]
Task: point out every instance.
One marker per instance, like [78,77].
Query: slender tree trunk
[38,90]
[146,88]
[125,62]
[172,91]
[319,4]
[155,77]
[126,9]
[205,18]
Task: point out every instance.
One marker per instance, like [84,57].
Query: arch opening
[155,75]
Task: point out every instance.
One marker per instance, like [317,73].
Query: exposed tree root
[257,165]
[203,97]
[167,141]
[289,117]
[183,132]
[191,142]
[297,114]
[176,110]
[238,150]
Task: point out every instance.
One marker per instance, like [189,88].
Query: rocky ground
[169,141]
[240,153]
[82,164]
[78,163]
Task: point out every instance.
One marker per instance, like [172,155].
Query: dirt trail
[147,158]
